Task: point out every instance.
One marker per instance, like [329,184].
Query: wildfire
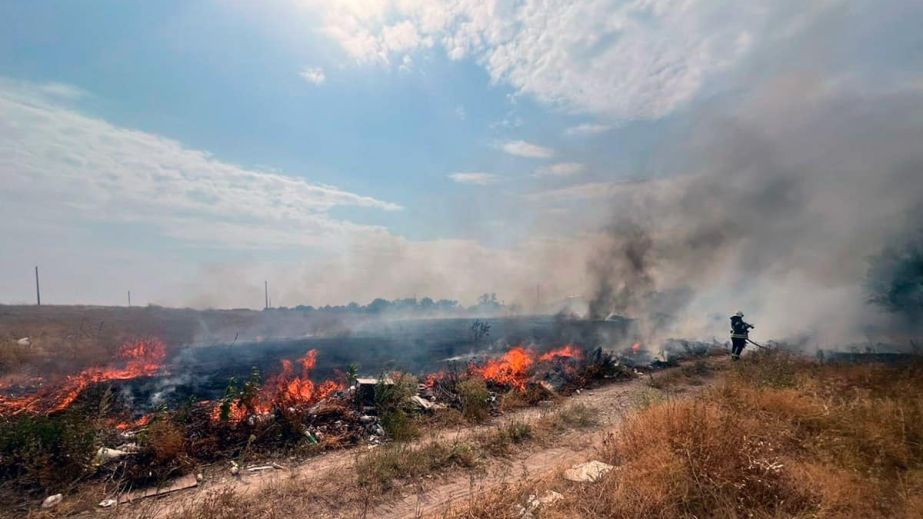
[285,389]
[434,378]
[141,358]
[135,424]
[512,369]
[565,352]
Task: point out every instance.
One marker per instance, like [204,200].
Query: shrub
[392,400]
[519,432]
[166,441]
[163,453]
[474,399]
[44,452]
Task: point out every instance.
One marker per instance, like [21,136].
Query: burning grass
[135,359]
[781,437]
[74,430]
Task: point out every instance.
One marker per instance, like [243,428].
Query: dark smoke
[896,280]
[627,280]
[775,207]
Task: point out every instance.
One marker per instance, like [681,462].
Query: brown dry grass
[781,437]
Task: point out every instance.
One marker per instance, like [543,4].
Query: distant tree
[480,331]
[378,306]
[448,305]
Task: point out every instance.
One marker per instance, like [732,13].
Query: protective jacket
[739,328]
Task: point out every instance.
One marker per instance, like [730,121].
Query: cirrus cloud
[84,169]
[476,178]
[313,75]
[527,149]
[561,169]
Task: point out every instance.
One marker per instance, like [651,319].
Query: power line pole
[266,294]
[38,292]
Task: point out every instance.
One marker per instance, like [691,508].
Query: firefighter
[739,334]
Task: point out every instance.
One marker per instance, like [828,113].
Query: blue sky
[351,149]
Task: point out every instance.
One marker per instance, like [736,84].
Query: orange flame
[434,378]
[636,347]
[284,389]
[141,358]
[135,424]
[565,352]
[510,370]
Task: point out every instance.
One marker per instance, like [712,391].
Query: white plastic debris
[421,402]
[106,503]
[52,501]
[25,341]
[587,472]
[534,503]
[199,477]
[235,469]
[105,455]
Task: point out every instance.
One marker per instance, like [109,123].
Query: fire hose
[757,345]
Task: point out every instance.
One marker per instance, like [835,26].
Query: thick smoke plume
[779,207]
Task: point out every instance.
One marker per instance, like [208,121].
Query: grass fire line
[51,431]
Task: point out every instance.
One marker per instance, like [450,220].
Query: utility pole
[266,294]
[38,292]
[129,299]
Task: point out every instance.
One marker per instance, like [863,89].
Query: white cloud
[83,170]
[476,178]
[627,189]
[406,63]
[587,129]
[62,90]
[587,191]
[527,149]
[561,169]
[623,59]
[313,75]
[400,37]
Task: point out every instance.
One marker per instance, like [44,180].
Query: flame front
[135,424]
[434,378]
[285,389]
[141,358]
[568,351]
[512,369]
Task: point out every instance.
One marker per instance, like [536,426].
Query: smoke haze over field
[783,205]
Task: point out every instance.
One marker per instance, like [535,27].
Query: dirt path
[437,494]
[576,446]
